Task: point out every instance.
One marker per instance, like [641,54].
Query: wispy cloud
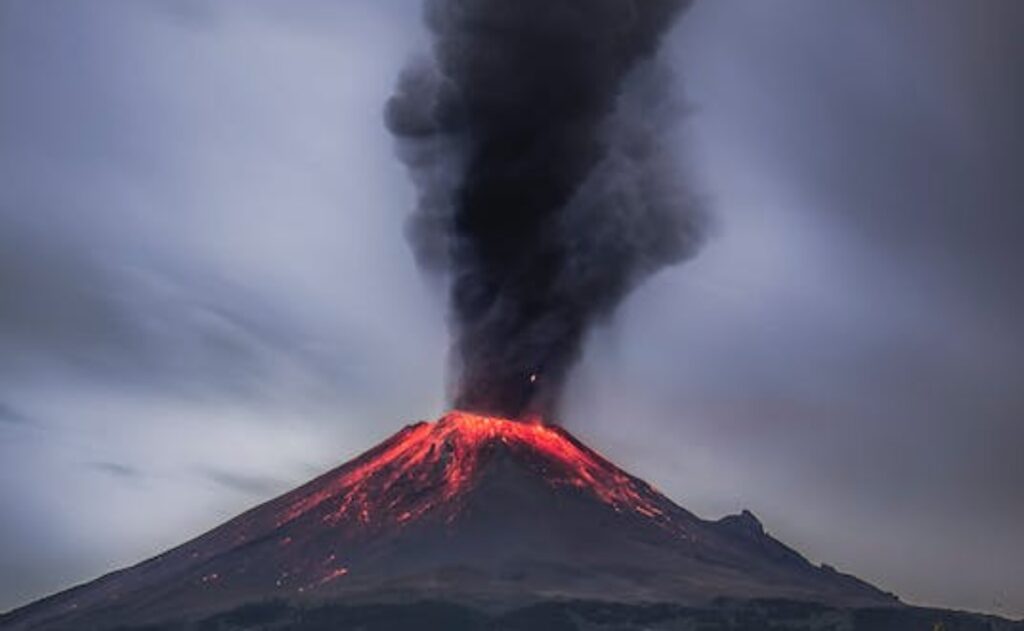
[254,485]
[13,416]
[116,469]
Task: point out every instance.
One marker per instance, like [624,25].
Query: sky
[206,297]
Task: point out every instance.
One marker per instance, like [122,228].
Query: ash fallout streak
[546,192]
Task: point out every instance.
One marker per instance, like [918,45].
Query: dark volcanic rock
[497,523]
[774,615]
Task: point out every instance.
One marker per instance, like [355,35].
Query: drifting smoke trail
[546,192]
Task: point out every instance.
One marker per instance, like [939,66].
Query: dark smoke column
[546,190]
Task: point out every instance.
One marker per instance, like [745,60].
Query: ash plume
[535,135]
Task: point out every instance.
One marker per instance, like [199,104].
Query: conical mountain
[467,509]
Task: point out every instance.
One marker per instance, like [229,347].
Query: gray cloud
[116,470]
[251,485]
[12,416]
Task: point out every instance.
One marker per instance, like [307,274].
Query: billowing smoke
[536,135]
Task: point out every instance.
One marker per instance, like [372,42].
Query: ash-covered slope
[468,509]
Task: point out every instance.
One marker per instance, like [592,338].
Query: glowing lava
[428,467]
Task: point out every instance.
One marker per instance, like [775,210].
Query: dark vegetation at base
[768,615]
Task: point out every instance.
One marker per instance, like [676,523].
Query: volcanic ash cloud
[536,135]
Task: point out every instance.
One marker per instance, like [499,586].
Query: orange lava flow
[430,465]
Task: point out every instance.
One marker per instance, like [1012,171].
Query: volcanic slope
[469,509]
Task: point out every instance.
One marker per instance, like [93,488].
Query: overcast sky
[206,298]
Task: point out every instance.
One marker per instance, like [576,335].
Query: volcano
[483,512]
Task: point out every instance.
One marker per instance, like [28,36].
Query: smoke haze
[534,136]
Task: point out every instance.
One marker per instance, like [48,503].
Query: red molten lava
[428,467]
